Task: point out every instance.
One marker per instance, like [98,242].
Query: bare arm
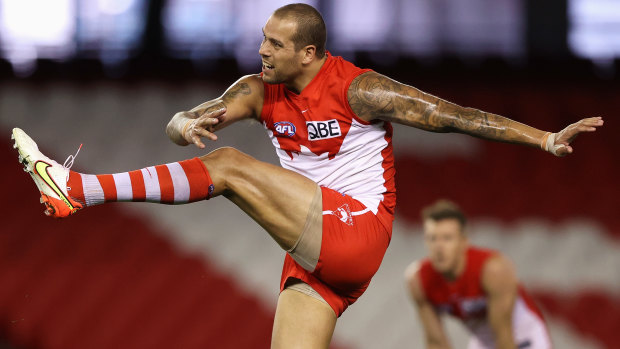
[374,96]
[242,100]
[501,286]
[433,329]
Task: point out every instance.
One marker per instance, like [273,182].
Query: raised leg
[276,198]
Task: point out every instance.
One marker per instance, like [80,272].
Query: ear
[309,54]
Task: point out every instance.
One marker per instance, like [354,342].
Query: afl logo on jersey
[284,128]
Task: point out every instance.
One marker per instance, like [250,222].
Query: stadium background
[110,74]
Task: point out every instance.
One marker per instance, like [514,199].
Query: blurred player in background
[333,199]
[478,286]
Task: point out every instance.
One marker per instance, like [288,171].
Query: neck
[308,73]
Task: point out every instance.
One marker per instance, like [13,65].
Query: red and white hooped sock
[174,183]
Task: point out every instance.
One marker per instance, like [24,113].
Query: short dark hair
[310,26]
[444,209]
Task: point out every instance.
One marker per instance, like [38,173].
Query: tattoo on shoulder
[370,95]
[242,88]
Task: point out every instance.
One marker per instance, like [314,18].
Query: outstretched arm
[242,100]
[500,284]
[374,96]
[433,329]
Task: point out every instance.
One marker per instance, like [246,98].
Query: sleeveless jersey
[465,299]
[317,134]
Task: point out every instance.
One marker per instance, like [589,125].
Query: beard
[285,71]
[272,80]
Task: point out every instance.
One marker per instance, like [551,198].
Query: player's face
[281,63]
[446,244]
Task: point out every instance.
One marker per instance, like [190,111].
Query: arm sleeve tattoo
[374,96]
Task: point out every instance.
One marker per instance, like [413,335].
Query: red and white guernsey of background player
[316,134]
[465,299]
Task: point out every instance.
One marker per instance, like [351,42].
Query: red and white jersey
[465,299]
[316,134]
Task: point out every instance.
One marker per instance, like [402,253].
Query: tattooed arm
[242,100]
[374,96]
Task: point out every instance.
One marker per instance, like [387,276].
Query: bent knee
[225,165]
[223,152]
[226,156]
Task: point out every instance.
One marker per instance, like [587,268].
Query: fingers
[216,113]
[209,119]
[568,135]
[196,133]
[201,132]
[584,125]
[590,124]
[595,121]
[584,128]
[203,127]
[196,140]
[205,122]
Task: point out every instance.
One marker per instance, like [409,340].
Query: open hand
[564,138]
[202,126]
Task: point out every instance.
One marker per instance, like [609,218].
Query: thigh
[276,198]
[302,321]
[353,245]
